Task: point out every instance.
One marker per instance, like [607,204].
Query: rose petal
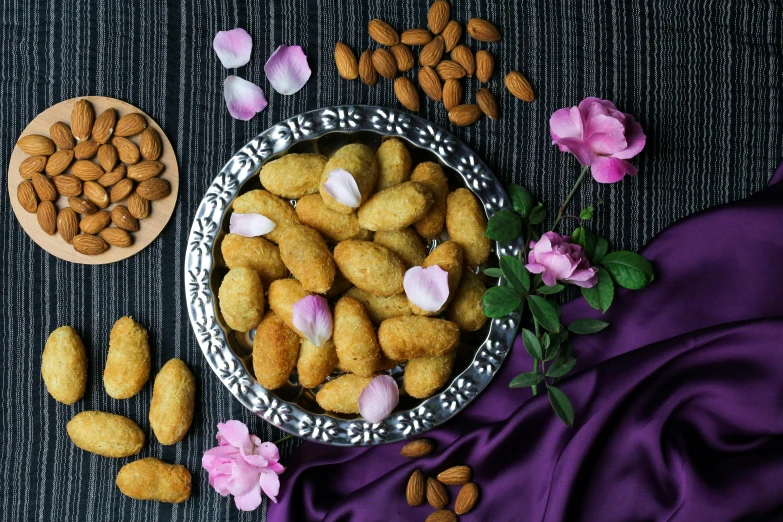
[606,144]
[611,170]
[427,288]
[250,225]
[379,398]
[566,123]
[243,478]
[270,483]
[634,135]
[312,317]
[243,98]
[578,148]
[233,47]
[250,500]
[235,433]
[343,188]
[287,69]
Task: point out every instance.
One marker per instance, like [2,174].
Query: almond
[32,164]
[145,170]
[437,496]
[438,16]
[367,72]
[519,86]
[62,136]
[111,178]
[44,187]
[455,476]
[450,70]
[138,207]
[86,149]
[154,189]
[122,217]
[452,94]
[406,92]
[126,150]
[96,222]
[345,61]
[384,63]
[482,30]
[67,224]
[383,33]
[82,119]
[485,66]
[466,498]
[58,162]
[68,185]
[36,145]
[82,206]
[464,56]
[451,35]
[432,52]
[466,114]
[416,37]
[116,237]
[403,56]
[488,104]
[96,194]
[121,190]
[107,157]
[89,245]
[150,146]
[104,126]
[130,125]
[414,493]
[47,217]
[417,448]
[430,83]
[27,197]
[86,170]
[442,515]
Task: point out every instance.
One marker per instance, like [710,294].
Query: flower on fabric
[243,98]
[312,317]
[343,188]
[243,466]
[600,136]
[287,69]
[250,225]
[233,47]
[379,398]
[557,259]
[427,288]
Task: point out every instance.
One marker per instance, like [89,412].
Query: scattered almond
[438,16]
[86,149]
[68,185]
[121,190]
[130,125]
[416,37]
[27,197]
[432,52]
[59,161]
[463,115]
[383,33]
[144,170]
[485,66]
[36,145]
[82,119]
[452,94]
[345,61]
[86,170]
[464,56]
[437,496]
[138,207]
[96,222]
[415,491]
[417,448]
[116,237]
[367,72]
[384,63]
[450,70]
[467,498]
[107,157]
[451,35]
[519,86]
[62,136]
[47,217]
[89,245]
[32,164]
[430,83]
[442,515]
[44,187]
[455,476]
[96,194]
[403,56]
[488,104]
[153,189]
[122,217]
[111,178]
[67,224]
[82,206]
[482,30]
[103,128]
[150,146]
[406,92]
[126,150]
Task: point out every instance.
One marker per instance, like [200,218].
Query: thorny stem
[535,362]
[283,439]
[570,196]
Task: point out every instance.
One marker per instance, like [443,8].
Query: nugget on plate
[411,337]
[270,206]
[64,365]
[173,400]
[465,308]
[307,256]
[385,364]
[448,256]
[359,161]
[241,297]
[128,361]
[405,244]
[380,308]
[394,164]
[315,363]
[467,223]
[153,479]
[275,351]
[105,434]
[431,175]
[396,207]
[293,175]
[341,395]
[283,295]
[354,336]
[371,267]
[424,376]
[331,224]
[255,253]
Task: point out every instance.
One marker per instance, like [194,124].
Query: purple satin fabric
[678,405]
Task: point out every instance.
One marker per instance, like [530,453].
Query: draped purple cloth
[678,404]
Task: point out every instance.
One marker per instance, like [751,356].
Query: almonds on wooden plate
[417,448]
[416,37]
[68,185]
[518,85]
[414,492]
[144,170]
[452,94]
[103,128]
[96,193]
[432,52]
[482,30]
[67,224]
[126,149]
[383,33]
[113,177]
[94,223]
[384,63]
[86,149]
[153,189]
[107,157]
[488,104]
[62,136]
[437,496]
[464,56]
[345,60]
[451,35]
[27,197]
[36,145]
[138,207]
[58,162]
[485,66]
[122,217]
[442,515]
[116,237]
[130,125]
[82,206]
[44,187]
[86,170]
[89,245]
[47,217]
[430,83]
[150,146]
[465,114]
[438,16]
[32,164]
[82,119]
[467,498]
[367,72]
[450,70]
[406,92]
[403,56]
[121,190]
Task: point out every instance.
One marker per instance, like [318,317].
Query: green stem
[570,196]
[535,362]
[283,439]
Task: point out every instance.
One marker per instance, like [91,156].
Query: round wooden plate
[149,227]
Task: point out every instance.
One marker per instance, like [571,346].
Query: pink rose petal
[287,69]
[343,188]
[611,170]
[233,47]
[249,501]
[270,483]
[235,433]
[379,398]
[250,225]
[427,288]
[312,317]
[243,98]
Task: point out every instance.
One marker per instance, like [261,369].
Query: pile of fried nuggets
[356,259]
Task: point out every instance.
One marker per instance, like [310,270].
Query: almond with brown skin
[464,56]
[466,114]
[68,185]
[58,162]
[345,60]
[467,498]
[96,194]
[414,492]
[518,85]
[144,170]
[367,72]
[383,33]
[403,56]
[32,164]
[452,94]
[103,128]
[122,217]
[67,224]
[86,170]
[47,217]
[150,146]
[451,35]
[86,149]
[126,150]
[36,145]
[430,83]
[384,63]
[442,515]
[154,189]
[82,206]
[44,187]
[62,136]
[488,104]
[94,223]
[482,30]
[89,245]
[111,178]
[437,496]
[438,16]
[27,197]
[485,66]
[116,237]
[455,476]
[450,70]
[82,120]
[130,125]
[138,207]
[406,92]
[417,448]
[107,157]
[432,52]
[121,190]
[416,37]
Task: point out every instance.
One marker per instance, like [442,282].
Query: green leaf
[526,379]
[601,248]
[576,234]
[515,272]
[556,307]
[499,301]
[545,342]
[493,272]
[601,295]
[532,345]
[521,199]
[587,213]
[561,405]
[587,326]
[537,215]
[554,346]
[549,290]
[544,312]
[561,367]
[629,269]
[586,240]
[504,226]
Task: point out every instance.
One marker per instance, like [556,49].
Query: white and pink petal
[244,99]
[379,398]
[233,47]
[287,69]
[312,317]
[427,288]
[250,225]
[341,185]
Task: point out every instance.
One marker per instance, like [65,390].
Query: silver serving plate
[292,408]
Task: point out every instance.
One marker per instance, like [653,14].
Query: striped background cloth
[704,77]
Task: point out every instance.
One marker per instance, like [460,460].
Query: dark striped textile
[705,78]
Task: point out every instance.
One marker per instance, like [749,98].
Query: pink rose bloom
[557,259]
[243,466]
[599,136]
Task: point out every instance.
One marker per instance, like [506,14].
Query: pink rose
[557,259]
[600,137]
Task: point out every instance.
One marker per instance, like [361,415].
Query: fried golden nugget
[467,223]
[380,308]
[465,308]
[307,256]
[275,352]
[241,298]
[360,162]
[293,175]
[354,336]
[424,376]
[339,287]
[431,175]
[385,364]
[173,401]
[315,363]
[255,253]
[105,434]
[396,207]
[331,224]
[341,395]
[64,365]
[411,337]
[128,361]
[394,164]
[283,295]
[405,244]
[267,204]
[371,267]
[448,256]
[153,479]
